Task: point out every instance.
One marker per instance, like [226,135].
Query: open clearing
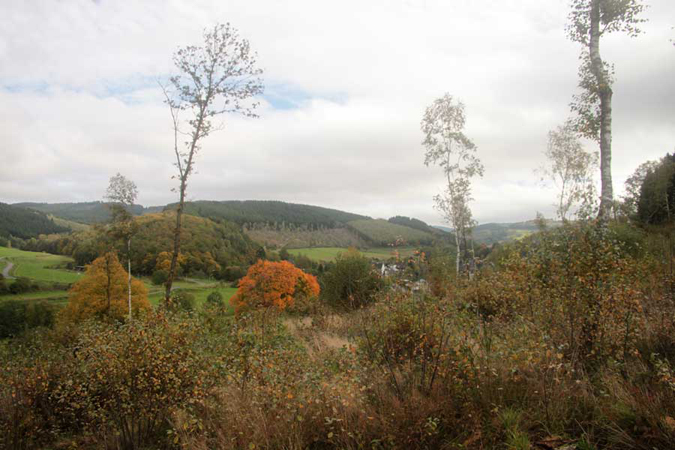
[330,253]
[39,266]
[200,291]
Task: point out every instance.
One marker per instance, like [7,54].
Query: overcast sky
[346,84]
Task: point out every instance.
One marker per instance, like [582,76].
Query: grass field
[199,291]
[39,266]
[330,253]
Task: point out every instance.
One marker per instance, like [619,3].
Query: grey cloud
[78,103]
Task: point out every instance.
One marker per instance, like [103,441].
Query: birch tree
[447,146]
[589,20]
[122,193]
[570,168]
[215,78]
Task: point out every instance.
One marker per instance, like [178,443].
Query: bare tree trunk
[459,254]
[185,172]
[605,95]
[129,267]
[176,244]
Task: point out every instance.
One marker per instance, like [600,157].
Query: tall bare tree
[447,146]
[571,169]
[122,194]
[589,20]
[215,78]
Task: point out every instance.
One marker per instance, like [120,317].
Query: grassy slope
[329,253]
[298,238]
[55,297]
[75,226]
[39,266]
[384,232]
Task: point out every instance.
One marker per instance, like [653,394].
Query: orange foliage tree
[269,284]
[103,292]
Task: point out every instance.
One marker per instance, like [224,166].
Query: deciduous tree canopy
[103,292]
[273,285]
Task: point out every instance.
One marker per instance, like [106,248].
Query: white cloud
[78,101]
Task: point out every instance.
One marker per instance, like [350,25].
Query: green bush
[233,273]
[4,289]
[351,283]
[17,316]
[215,298]
[159,277]
[20,286]
[183,301]
[12,316]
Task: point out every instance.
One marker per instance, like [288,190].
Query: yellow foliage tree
[164,261]
[103,292]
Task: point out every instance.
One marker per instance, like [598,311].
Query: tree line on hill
[254,211]
[81,212]
[272,223]
[25,223]
[210,249]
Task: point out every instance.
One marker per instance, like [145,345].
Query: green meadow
[200,291]
[39,266]
[330,253]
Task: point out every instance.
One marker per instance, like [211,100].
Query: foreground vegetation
[568,340]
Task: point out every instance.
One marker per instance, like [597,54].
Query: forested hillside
[208,247]
[280,224]
[274,224]
[271,212]
[291,236]
[84,212]
[25,223]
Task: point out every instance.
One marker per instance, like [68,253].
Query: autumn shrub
[118,383]
[138,373]
[182,301]
[441,273]
[103,293]
[39,399]
[273,285]
[351,282]
[410,339]
[583,285]
[215,298]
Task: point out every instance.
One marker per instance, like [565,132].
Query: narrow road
[5,271]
